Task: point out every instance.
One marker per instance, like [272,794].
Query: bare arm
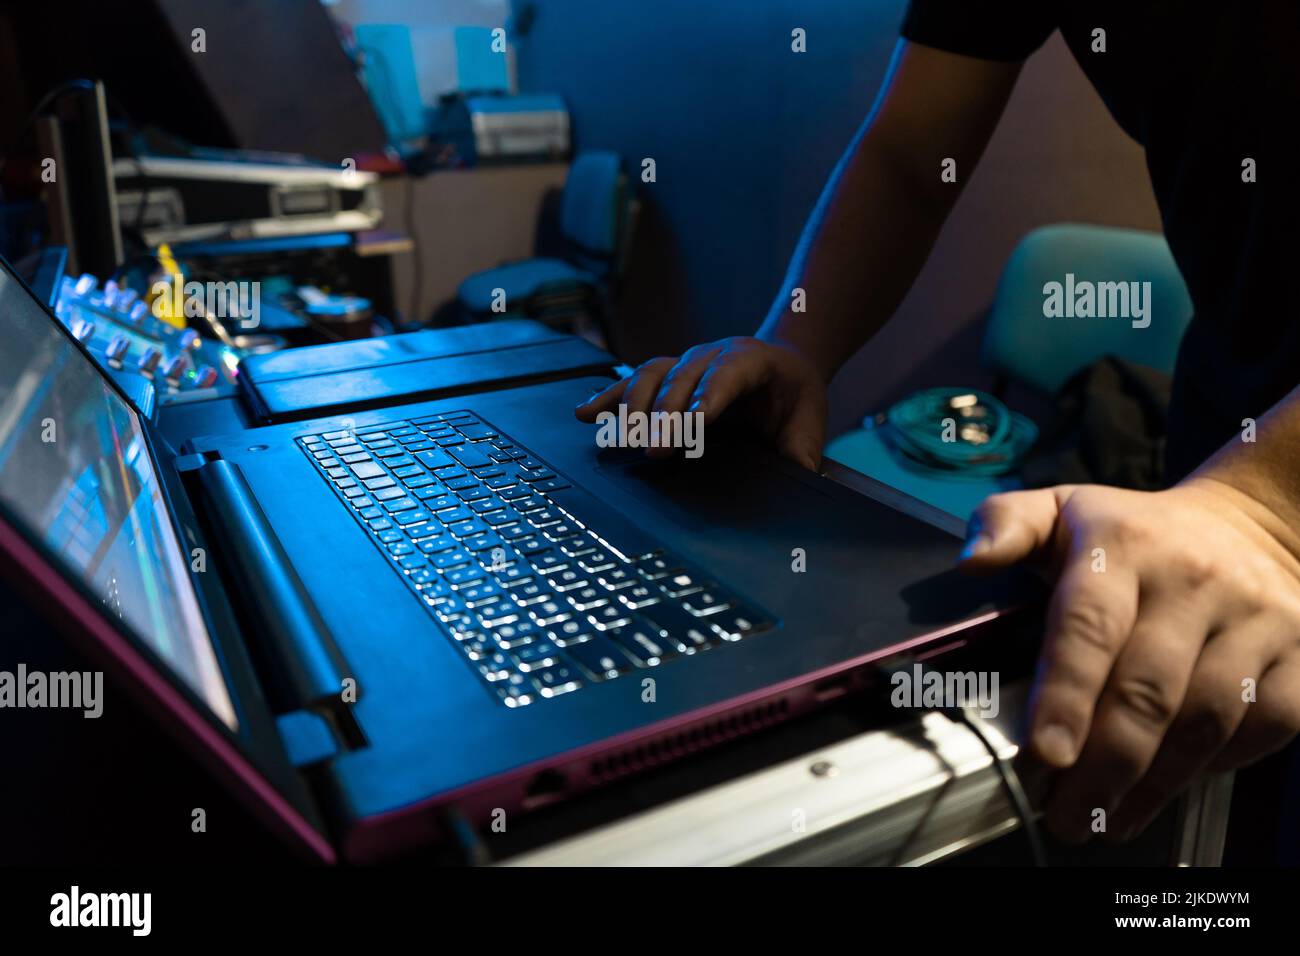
[860,252]
[884,204]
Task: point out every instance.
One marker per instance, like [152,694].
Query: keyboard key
[579,547]
[499,613]
[367,469]
[556,680]
[679,585]
[600,657]
[518,634]
[389,494]
[658,566]
[548,562]
[481,542]
[476,431]
[532,592]
[515,692]
[450,559]
[467,529]
[684,630]
[496,666]
[535,656]
[584,599]
[480,594]
[554,484]
[549,612]
[453,515]
[568,580]
[609,616]
[599,560]
[560,532]
[469,456]
[704,603]
[644,644]
[738,621]
[437,545]
[434,458]
[420,576]
[460,579]
[638,596]
[570,632]
[616,578]
[513,577]
[545,517]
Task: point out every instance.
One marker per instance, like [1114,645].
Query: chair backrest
[1037,337]
[592,208]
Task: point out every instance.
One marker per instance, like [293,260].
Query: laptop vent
[683,743]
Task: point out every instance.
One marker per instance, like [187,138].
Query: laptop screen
[75,468]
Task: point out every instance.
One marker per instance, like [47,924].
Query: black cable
[1007,774]
[1010,783]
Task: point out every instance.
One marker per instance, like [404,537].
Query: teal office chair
[596,212]
[1024,346]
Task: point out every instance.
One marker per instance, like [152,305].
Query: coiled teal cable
[958,432]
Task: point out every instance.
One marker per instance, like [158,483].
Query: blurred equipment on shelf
[178,199]
[503,129]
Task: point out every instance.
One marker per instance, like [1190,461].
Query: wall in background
[744,132]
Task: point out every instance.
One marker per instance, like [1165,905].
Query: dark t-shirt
[1202,87]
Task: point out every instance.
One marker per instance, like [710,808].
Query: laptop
[375,627]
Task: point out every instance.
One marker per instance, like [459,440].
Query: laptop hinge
[283,628]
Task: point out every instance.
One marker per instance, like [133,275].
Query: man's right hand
[775,386]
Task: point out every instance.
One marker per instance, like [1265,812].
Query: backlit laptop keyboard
[495,544]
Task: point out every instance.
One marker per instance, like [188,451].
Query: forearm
[860,252]
[1263,476]
[882,209]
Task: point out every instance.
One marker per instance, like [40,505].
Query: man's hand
[1172,646]
[775,384]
